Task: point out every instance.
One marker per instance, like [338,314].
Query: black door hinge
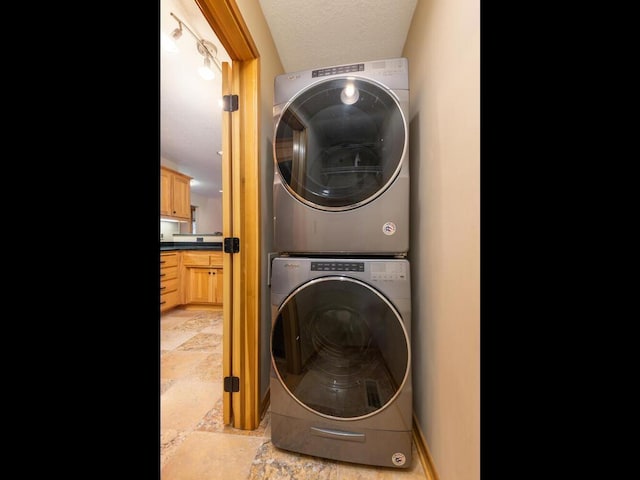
[231,245]
[230,103]
[231,384]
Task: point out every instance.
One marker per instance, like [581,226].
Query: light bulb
[168,42]
[205,70]
[176,34]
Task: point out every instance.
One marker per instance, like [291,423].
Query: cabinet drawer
[199,259]
[169,285]
[169,260]
[202,259]
[167,273]
[215,259]
[168,300]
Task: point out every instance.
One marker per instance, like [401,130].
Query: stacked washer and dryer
[341,383]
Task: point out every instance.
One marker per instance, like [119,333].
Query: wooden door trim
[226,21]
[227,264]
[248,218]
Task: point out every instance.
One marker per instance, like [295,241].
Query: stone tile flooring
[196,445]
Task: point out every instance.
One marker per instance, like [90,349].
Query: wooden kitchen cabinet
[204,285]
[202,277]
[202,258]
[169,291]
[175,195]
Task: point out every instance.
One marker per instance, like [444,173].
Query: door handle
[338,434]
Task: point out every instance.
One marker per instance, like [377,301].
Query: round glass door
[339,143]
[340,348]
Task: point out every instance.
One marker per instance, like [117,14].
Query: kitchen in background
[191,116]
[207,215]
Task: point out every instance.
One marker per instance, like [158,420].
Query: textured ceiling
[307,34]
[316,33]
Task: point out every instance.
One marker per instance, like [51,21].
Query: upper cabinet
[175,195]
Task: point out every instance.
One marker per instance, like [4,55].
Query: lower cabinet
[169,291]
[202,278]
[190,277]
[204,285]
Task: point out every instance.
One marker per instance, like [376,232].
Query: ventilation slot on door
[373,397]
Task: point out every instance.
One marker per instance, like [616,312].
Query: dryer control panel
[337,266]
[323,72]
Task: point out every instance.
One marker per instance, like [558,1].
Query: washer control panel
[377,270]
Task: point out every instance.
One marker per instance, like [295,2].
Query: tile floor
[194,443]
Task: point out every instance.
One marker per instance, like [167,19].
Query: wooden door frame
[244,202]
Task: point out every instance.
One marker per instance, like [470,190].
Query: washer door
[340,348]
[339,143]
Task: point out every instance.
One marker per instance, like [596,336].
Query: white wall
[167,229]
[208,213]
[443,49]
[165,162]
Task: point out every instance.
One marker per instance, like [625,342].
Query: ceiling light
[205,70]
[177,32]
[206,48]
[169,41]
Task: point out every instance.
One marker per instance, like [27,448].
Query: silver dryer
[341,152]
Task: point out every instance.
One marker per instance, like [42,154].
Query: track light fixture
[169,41]
[177,32]
[205,48]
[205,70]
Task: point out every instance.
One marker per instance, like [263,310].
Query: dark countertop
[171,246]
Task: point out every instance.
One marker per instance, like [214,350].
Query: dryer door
[340,348]
[339,143]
